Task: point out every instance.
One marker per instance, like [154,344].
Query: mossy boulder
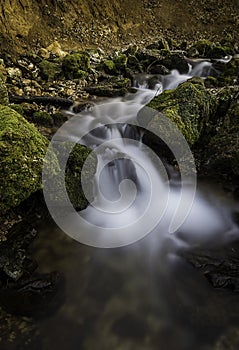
[189,106]
[222,154]
[77,156]
[75,179]
[49,70]
[22,149]
[74,64]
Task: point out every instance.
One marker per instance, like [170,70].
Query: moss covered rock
[49,70]
[22,149]
[74,64]
[77,156]
[109,67]
[120,62]
[189,106]
[42,118]
[74,177]
[222,155]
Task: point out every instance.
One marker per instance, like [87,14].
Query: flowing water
[141,296]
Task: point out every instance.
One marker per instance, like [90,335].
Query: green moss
[22,149]
[72,64]
[189,107]
[17,108]
[42,118]
[109,67]
[222,153]
[49,70]
[59,118]
[120,62]
[74,177]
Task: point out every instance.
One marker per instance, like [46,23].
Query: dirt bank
[110,24]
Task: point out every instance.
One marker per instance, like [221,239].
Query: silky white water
[134,194]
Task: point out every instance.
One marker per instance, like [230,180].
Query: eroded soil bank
[112,24]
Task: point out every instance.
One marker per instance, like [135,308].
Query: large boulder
[189,107]
[222,155]
[22,149]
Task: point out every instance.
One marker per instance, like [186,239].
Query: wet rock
[220,267]
[21,153]
[75,179]
[38,296]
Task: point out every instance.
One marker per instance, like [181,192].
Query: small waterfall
[131,194]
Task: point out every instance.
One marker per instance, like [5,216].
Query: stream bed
[140,296]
